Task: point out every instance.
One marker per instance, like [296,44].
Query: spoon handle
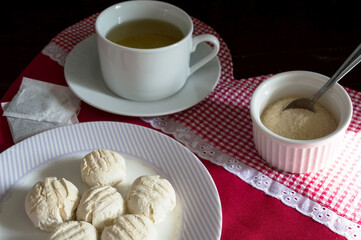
[349,63]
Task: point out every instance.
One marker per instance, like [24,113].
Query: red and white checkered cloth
[222,119]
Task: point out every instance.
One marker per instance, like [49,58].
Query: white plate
[83,75]
[58,153]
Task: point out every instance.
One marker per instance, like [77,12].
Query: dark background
[263,36]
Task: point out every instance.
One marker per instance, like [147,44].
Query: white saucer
[83,75]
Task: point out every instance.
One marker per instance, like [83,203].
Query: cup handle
[197,40]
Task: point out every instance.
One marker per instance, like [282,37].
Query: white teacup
[148,74]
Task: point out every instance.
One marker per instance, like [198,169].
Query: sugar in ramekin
[299,156]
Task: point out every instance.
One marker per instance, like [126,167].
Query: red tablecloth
[248,213]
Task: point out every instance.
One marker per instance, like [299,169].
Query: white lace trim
[55,53]
[304,205]
[333,221]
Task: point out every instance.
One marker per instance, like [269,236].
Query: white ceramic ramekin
[299,156]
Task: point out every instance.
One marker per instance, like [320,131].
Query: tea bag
[21,128]
[41,101]
[40,106]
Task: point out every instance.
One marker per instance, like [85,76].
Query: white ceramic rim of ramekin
[342,126]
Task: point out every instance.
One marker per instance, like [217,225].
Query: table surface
[263,38]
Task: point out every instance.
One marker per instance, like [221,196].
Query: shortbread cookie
[103,167]
[130,226]
[100,206]
[151,196]
[74,230]
[51,202]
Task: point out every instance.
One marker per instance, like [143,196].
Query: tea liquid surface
[145,34]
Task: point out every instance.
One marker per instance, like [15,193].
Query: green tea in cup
[145,34]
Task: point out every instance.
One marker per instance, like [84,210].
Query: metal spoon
[308,103]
